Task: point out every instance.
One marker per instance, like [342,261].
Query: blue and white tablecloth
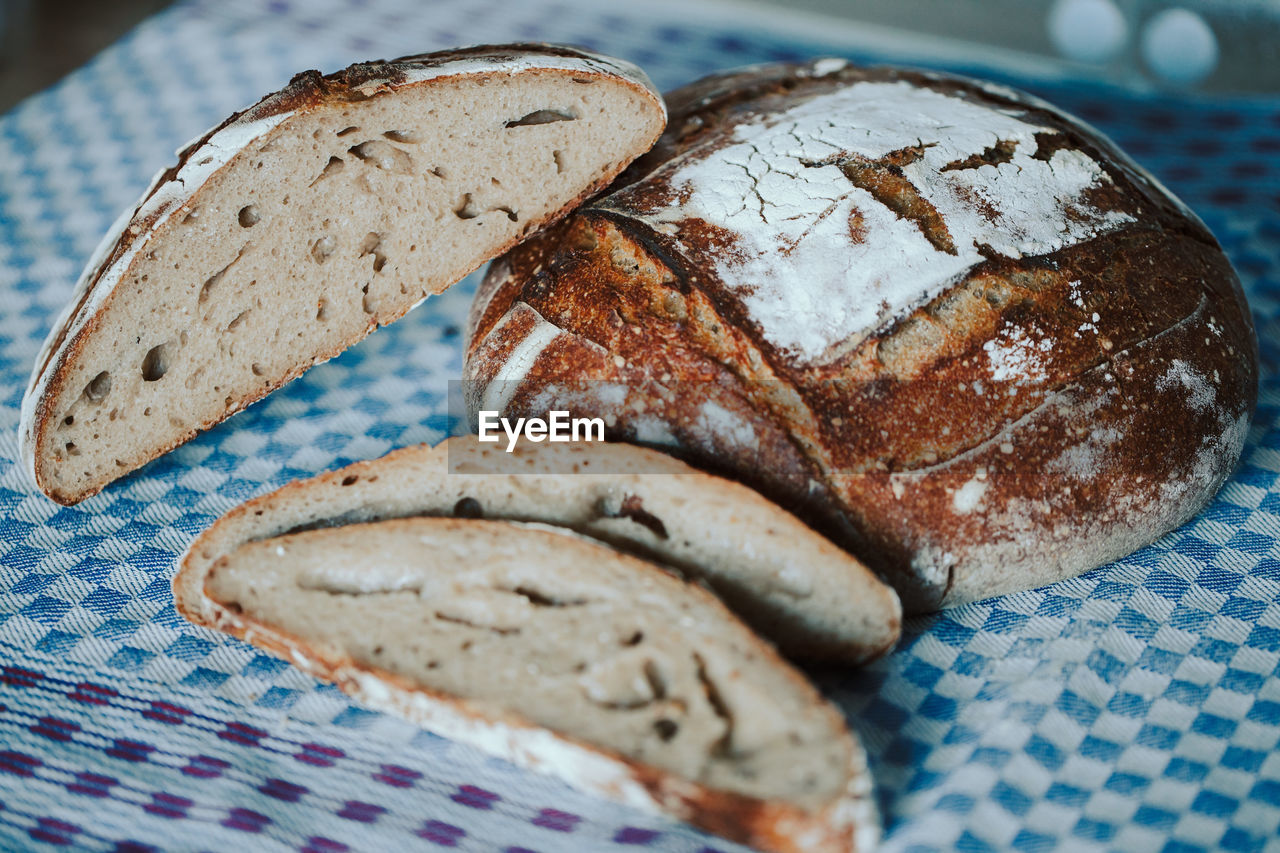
[1135,708]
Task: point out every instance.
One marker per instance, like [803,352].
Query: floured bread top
[859,203]
[566,633]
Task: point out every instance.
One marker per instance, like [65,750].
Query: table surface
[1136,707]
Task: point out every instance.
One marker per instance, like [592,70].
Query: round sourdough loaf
[955,328]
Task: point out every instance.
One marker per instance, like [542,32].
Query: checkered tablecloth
[1136,707]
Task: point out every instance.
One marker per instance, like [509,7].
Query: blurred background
[1219,46]
[42,40]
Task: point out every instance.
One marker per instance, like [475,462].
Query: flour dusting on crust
[1200,394]
[859,204]
[1018,356]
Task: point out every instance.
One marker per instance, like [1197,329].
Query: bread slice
[298,226]
[810,597]
[564,655]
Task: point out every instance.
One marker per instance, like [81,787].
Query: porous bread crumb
[298,228]
[557,629]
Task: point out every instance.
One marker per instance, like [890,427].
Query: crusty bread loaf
[954,326]
[809,597]
[298,226]
[566,656]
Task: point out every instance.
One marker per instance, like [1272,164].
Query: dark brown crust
[305,92]
[880,440]
[772,826]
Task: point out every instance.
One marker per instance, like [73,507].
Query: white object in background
[1087,30]
[1179,47]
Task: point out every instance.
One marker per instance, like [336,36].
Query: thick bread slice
[785,580]
[298,226]
[649,690]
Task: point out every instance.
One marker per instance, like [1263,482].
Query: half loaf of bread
[788,582]
[561,654]
[296,227]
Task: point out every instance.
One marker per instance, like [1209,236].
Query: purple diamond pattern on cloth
[1134,708]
